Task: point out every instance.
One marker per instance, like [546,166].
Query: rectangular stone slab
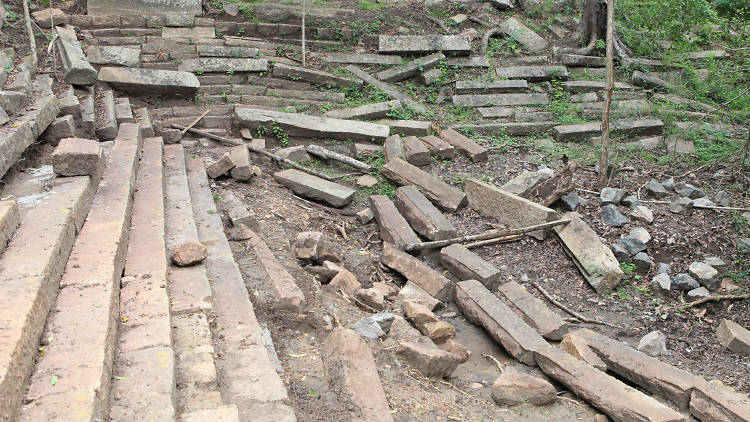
[417,272]
[223,64]
[489,100]
[143,7]
[386,88]
[439,147]
[509,209]
[406,71]
[356,58]
[734,337]
[313,76]
[711,402]
[193,33]
[483,308]
[416,152]
[367,111]
[440,193]
[491,87]
[647,127]
[315,188]
[593,258]
[295,124]
[149,81]
[113,55]
[521,33]
[448,44]
[619,401]
[546,322]
[393,226]
[651,374]
[424,218]
[76,69]
[466,265]
[578,87]
[408,127]
[226,51]
[532,73]
[475,151]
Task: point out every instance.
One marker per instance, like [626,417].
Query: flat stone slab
[9,221]
[483,308]
[407,70]
[386,88]
[193,33]
[593,258]
[286,295]
[509,209]
[734,337]
[76,157]
[412,44]
[223,64]
[713,402]
[313,76]
[205,50]
[522,184]
[648,127]
[476,61]
[113,55]
[613,397]
[315,188]
[521,33]
[408,127]
[417,272]
[532,310]
[76,69]
[423,217]
[358,58]
[474,151]
[440,193]
[367,111]
[295,124]
[532,73]
[576,60]
[491,87]
[466,265]
[150,81]
[439,147]
[393,226]
[489,100]
[143,7]
[578,87]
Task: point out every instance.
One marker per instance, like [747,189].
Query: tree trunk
[594,28]
[603,178]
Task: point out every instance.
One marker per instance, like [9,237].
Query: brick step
[190,297]
[30,271]
[72,376]
[247,376]
[143,378]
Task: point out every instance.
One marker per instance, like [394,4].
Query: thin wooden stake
[194,122]
[492,241]
[303,34]
[714,298]
[604,155]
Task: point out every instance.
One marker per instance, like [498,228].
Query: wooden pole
[30,31]
[489,234]
[319,151]
[303,34]
[604,155]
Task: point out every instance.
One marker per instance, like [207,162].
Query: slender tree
[604,154]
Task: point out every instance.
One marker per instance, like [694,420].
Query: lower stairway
[101,326]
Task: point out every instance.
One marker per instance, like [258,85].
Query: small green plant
[282,136]
[260,131]
[623,293]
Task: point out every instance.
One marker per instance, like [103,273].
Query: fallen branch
[486,38]
[478,21]
[497,362]
[439,23]
[716,298]
[565,308]
[489,234]
[718,208]
[257,151]
[319,151]
[492,241]
[194,122]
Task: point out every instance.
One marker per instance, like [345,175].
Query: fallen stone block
[237,212]
[443,195]
[113,55]
[406,71]
[416,152]
[150,81]
[492,87]
[415,44]
[546,322]
[366,112]
[393,227]
[483,308]
[509,209]
[386,88]
[411,292]
[223,64]
[313,76]
[297,153]
[193,33]
[533,73]
[106,120]
[358,58]
[429,77]
[242,170]
[46,17]
[62,127]
[467,265]
[9,221]
[315,188]
[286,296]
[593,258]
[576,60]
[76,157]
[565,133]
[351,374]
[732,336]
[523,184]
[393,148]
[123,111]
[439,147]
[408,127]
[474,151]
[428,359]
[345,281]
[713,402]
[618,400]
[577,347]
[76,69]
[417,272]
[521,33]
[490,100]
[310,126]
[512,388]
[422,215]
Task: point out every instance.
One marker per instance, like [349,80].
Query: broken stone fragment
[612,196]
[372,298]
[611,216]
[438,331]
[296,153]
[188,253]
[717,263]
[734,337]
[346,282]
[653,344]
[643,214]
[689,191]
[365,216]
[45,17]
[220,167]
[314,247]
[428,359]
[513,387]
[656,189]
[419,314]
[577,347]
[705,274]
[661,284]
[411,292]
[682,206]
[641,234]
[570,201]
[76,157]
[374,326]
[456,348]
[684,282]
[171,136]
[699,293]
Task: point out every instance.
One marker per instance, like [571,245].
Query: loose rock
[656,189]
[372,298]
[642,262]
[699,293]
[684,282]
[682,206]
[612,196]
[428,359]
[705,274]
[512,388]
[653,344]
[661,284]
[643,214]
[188,253]
[611,216]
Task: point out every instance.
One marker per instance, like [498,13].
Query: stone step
[386,88]
[575,60]
[649,127]
[150,81]
[88,34]
[511,129]
[475,61]
[19,135]
[521,33]
[492,87]
[41,245]
[421,44]
[417,272]
[358,58]
[613,397]
[76,69]
[489,100]
[532,310]
[143,383]
[9,221]
[226,51]
[440,193]
[132,41]
[142,8]
[144,122]
[333,97]
[114,55]
[483,308]
[310,126]
[273,83]
[247,376]
[223,64]
[423,217]
[274,103]
[315,188]
[393,226]
[366,112]
[408,127]
[409,69]
[533,73]
[577,87]
[313,76]
[276,12]
[466,265]
[81,331]
[106,119]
